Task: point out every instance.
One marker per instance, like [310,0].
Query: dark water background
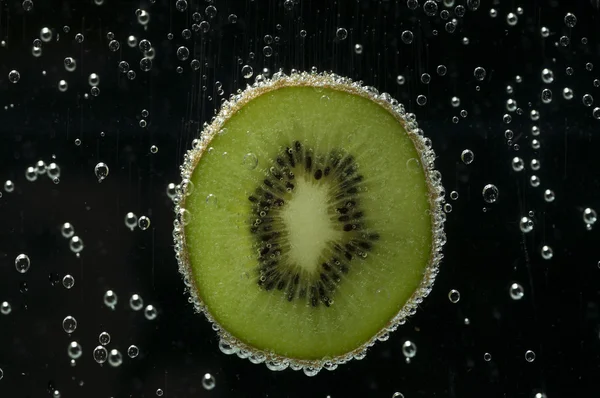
[557,317]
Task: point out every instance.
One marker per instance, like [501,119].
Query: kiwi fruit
[308,220]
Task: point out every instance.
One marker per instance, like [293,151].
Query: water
[506,92]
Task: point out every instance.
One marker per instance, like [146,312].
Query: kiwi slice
[308,222]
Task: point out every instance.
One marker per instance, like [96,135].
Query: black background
[486,251]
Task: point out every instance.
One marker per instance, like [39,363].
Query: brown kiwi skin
[229,344]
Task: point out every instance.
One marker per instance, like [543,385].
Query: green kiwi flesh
[311,227]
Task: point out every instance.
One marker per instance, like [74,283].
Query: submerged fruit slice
[314,223]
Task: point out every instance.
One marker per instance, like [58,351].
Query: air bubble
[479,73]
[208,382]
[211,200]
[100,354]
[115,359]
[587,100]
[409,349]
[490,193]
[589,216]
[250,161]
[487,357]
[69,324]
[526,224]
[430,8]
[529,356]
[22,263]
[567,93]
[131,220]
[247,71]
[68,281]
[407,37]
[14,76]
[133,351]
[512,19]
[547,252]
[144,223]
[516,291]
[549,195]
[150,312]
[400,80]
[101,170]
[534,181]
[570,20]
[110,299]
[76,244]
[74,350]
[341,33]
[467,156]
[454,296]
[358,48]
[5,309]
[104,338]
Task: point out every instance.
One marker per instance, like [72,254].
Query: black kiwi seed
[275,273]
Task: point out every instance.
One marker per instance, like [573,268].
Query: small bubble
[545,32]
[400,80]
[487,357]
[590,216]
[68,281]
[181,5]
[144,223]
[518,164]
[549,195]
[79,38]
[210,11]
[453,195]
[69,324]
[67,230]
[100,354]
[104,338]
[22,263]
[398,394]
[421,100]
[247,71]
[341,33]
[5,308]
[407,37]
[409,349]
[534,181]
[441,70]
[454,296]
[14,76]
[570,20]
[547,252]
[232,18]
[159,392]
[529,356]
[133,351]
[567,93]
[76,244]
[183,53]
[110,299]
[101,170]
[211,200]
[467,156]
[587,100]
[526,224]
[136,302]
[358,48]
[150,312]
[516,291]
[430,8]
[512,19]
[564,41]
[208,382]
[74,350]
[490,193]
[479,73]
[115,359]
[27,6]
